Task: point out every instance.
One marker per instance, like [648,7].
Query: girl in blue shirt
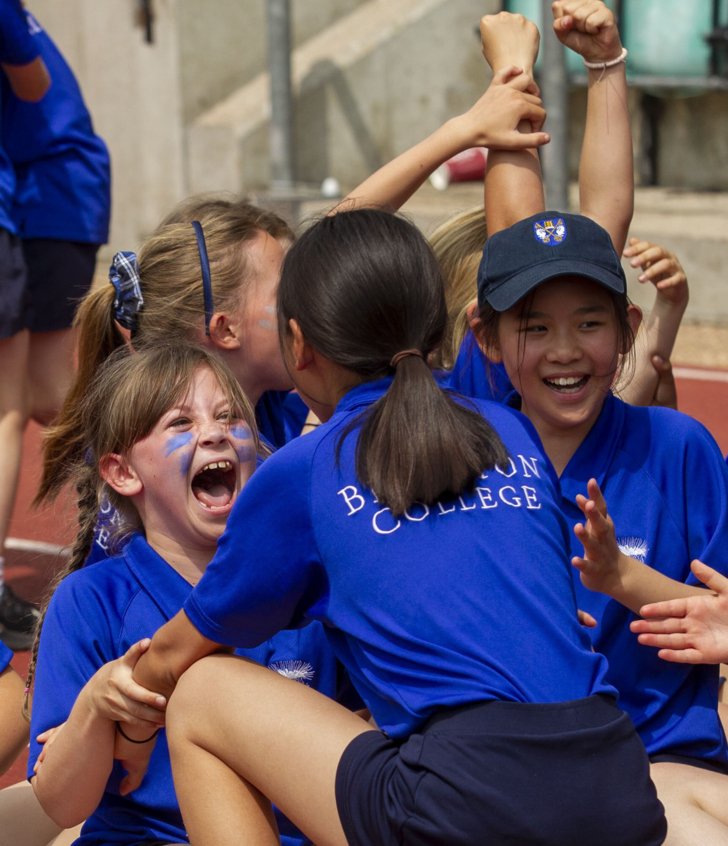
[426,535]
[172,442]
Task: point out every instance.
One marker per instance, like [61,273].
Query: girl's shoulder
[665,427]
[94,586]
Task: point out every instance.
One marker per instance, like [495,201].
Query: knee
[187,704]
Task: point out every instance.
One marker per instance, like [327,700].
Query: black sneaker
[18,619]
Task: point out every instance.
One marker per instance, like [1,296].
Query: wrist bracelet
[621,59]
[131,739]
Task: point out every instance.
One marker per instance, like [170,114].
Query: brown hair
[458,246]
[364,285]
[125,399]
[173,310]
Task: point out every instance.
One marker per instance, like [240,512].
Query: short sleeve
[17,46]
[266,574]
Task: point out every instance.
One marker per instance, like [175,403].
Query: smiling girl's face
[562,353]
[188,471]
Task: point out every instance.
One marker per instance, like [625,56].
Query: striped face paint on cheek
[177,443]
[244,442]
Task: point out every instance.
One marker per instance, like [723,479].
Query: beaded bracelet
[622,58]
[131,739]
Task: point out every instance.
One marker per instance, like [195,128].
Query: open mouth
[214,484]
[567,384]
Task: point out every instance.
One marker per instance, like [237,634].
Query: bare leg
[13,405]
[13,726]
[22,820]
[238,730]
[50,372]
[695,804]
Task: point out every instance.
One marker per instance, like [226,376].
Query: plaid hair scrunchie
[128,302]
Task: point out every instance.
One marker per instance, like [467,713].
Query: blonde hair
[458,245]
[173,311]
[125,399]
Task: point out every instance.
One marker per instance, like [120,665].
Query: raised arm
[657,334]
[491,122]
[513,186]
[606,175]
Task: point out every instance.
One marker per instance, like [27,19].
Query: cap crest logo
[550,232]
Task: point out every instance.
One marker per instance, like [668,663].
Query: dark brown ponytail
[364,286]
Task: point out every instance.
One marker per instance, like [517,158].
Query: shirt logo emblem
[634,547]
[294,668]
[550,232]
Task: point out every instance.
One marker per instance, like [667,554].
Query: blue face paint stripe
[177,442]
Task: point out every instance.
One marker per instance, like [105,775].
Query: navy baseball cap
[548,244]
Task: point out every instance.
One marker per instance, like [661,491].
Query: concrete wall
[368,87]
[142,96]
[189,112]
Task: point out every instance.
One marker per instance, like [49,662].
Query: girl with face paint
[171,442]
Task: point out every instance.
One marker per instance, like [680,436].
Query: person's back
[438,634]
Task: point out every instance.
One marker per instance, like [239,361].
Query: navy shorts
[13,278]
[60,274]
[566,774]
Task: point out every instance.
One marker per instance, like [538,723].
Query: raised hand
[660,267]
[588,28]
[509,40]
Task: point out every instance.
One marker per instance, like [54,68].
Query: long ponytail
[364,286]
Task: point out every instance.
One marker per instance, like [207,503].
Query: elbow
[62,808]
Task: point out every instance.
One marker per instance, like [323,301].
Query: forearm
[175,647]
[29,82]
[394,183]
[606,175]
[636,584]
[77,764]
[513,187]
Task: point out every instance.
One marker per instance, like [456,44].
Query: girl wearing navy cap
[554,311]
[428,539]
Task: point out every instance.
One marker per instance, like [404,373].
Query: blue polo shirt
[461,601]
[62,166]
[6,656]
[95,615]
[17,47]
[666,487]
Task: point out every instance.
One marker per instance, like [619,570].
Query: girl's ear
[119,475]
[224,331]
[489,348]
[301,350]
[634,318]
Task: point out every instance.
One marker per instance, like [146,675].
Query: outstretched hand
[588,28]
[693,630]
[599,568]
